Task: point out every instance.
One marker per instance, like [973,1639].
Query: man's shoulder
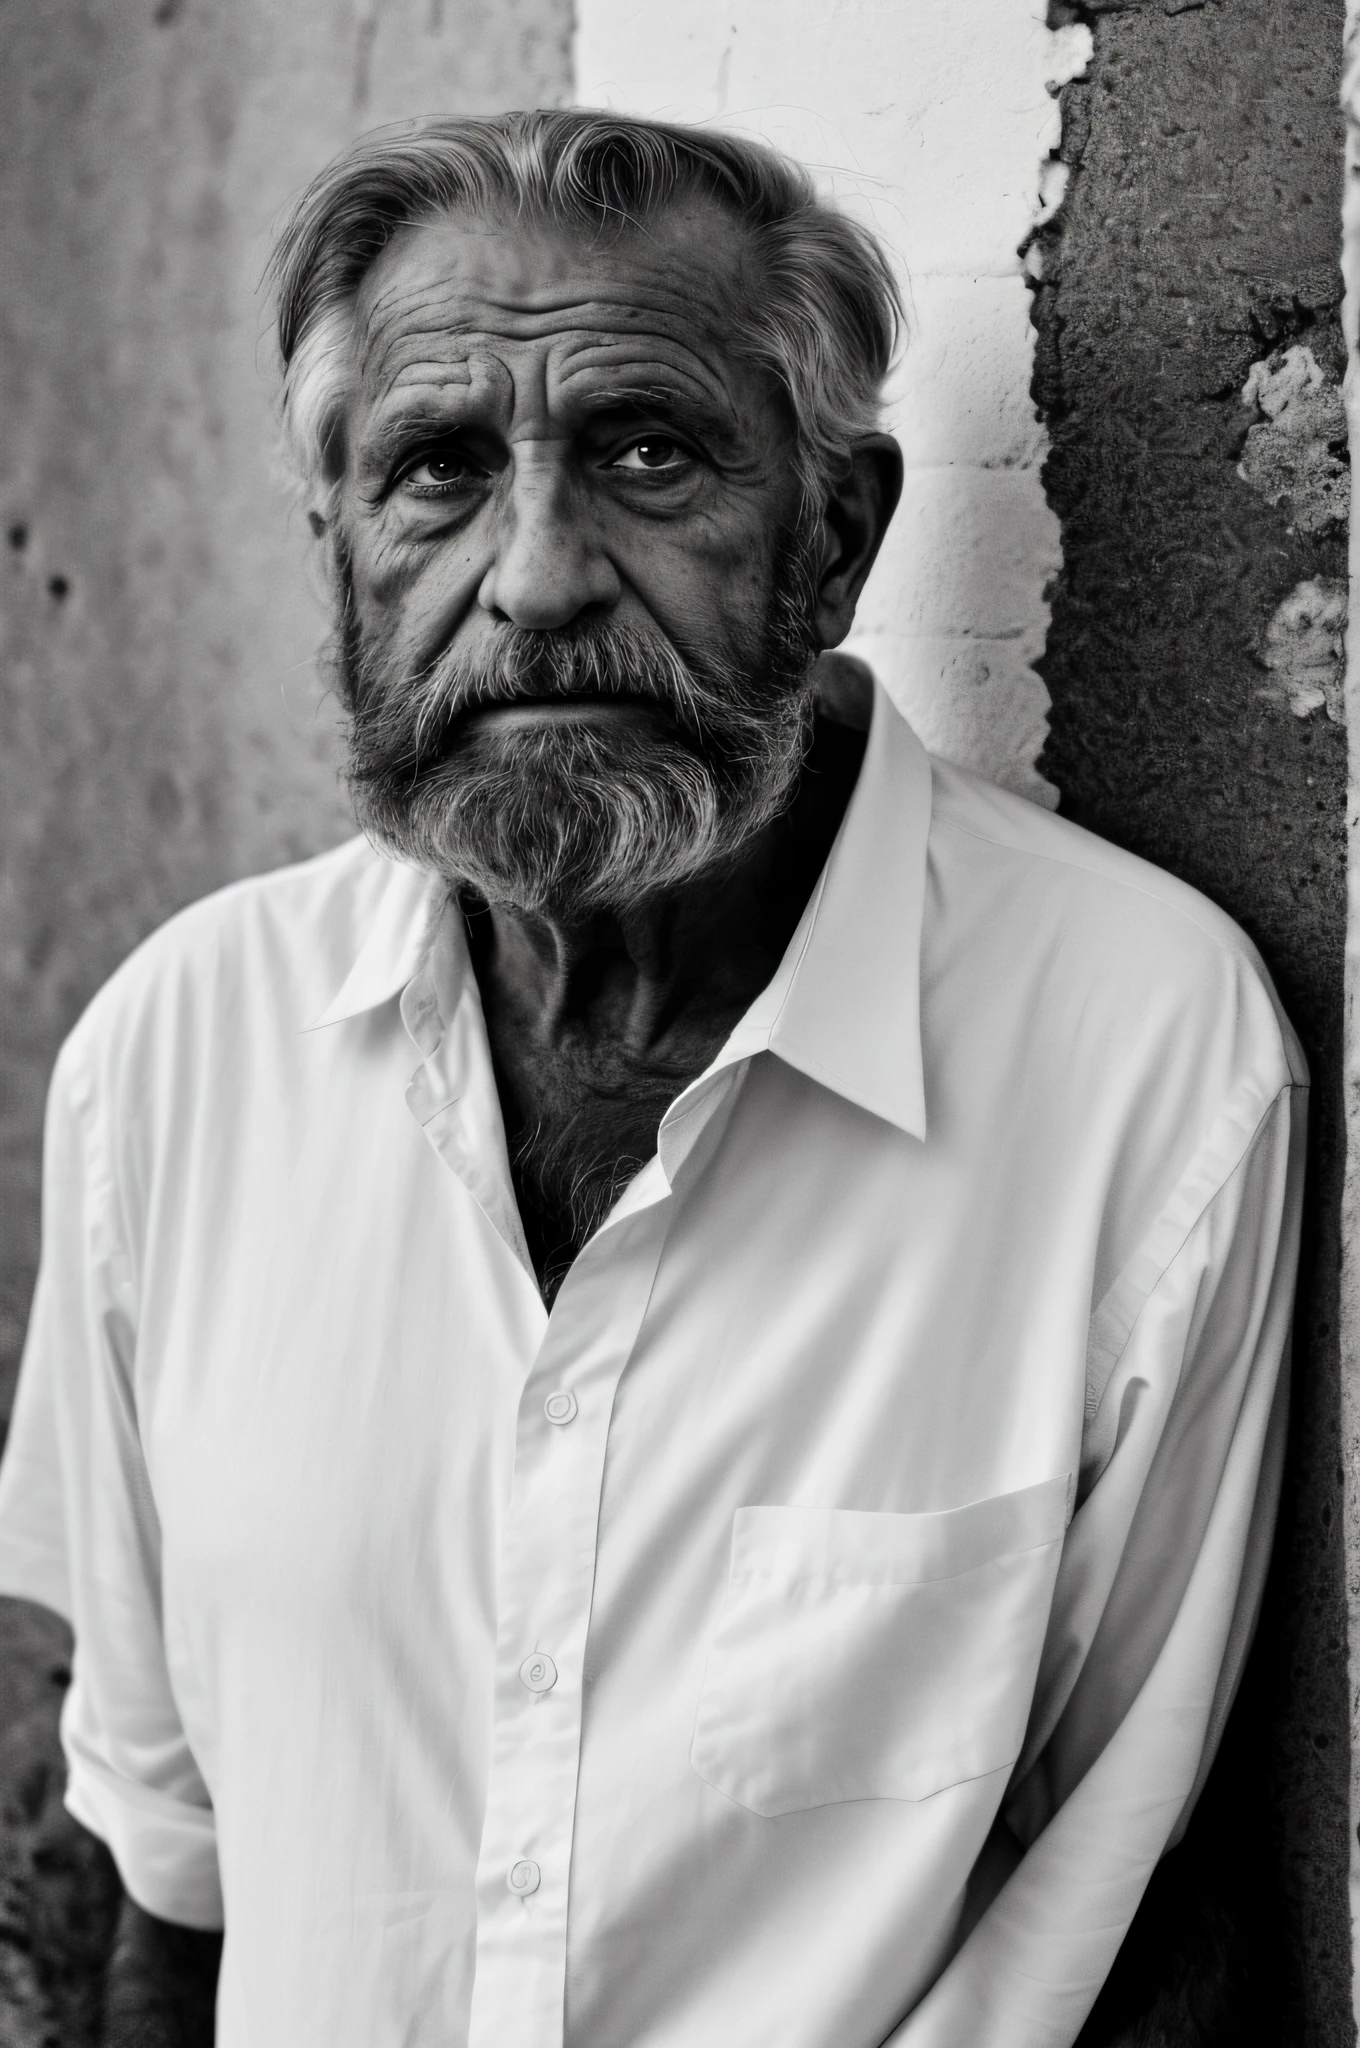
[1039,847]
[276,944]
[1121,934]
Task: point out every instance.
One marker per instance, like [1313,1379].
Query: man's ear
[858,508]
[332,548]
[323,487]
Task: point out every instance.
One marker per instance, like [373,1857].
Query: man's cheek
[426,597]
[717,615]
[388,572]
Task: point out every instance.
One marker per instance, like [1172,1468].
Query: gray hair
[824,326]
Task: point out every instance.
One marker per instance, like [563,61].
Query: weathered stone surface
[1199,237]
[1296,453]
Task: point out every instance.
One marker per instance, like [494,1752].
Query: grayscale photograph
[680,1316]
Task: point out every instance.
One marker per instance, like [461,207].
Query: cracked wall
[1189,365]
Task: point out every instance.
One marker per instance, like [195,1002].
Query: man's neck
[596,1025]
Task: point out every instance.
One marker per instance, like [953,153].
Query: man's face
[577,630]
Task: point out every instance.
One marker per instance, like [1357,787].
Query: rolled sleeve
[165,1847]
[79,1531]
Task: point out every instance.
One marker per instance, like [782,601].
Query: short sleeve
[79,1531]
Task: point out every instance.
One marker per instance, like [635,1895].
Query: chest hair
[581,1117]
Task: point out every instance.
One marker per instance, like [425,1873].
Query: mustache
[411,716]
[584,813]
[603,659]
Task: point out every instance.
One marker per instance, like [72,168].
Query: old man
[655,1389]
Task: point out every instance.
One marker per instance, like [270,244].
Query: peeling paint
[1304,647]
[1296,455]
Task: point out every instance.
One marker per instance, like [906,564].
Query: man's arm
[161,1988]
[79,1535]
[1157,1594]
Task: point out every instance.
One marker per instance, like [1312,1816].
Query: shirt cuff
[166,1851]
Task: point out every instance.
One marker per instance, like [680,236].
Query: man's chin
[568,807]
[556,816]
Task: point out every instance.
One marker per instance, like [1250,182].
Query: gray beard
[575,817]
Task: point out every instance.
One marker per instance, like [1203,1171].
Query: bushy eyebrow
[681,408]
[420,414]
[677,406]
[379,445]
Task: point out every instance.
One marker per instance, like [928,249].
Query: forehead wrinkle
[425,347]
[692,256]
[648,288]
[581,326]
[564,371]
[424,310]
[448,309]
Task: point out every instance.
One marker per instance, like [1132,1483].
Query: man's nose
[548,565]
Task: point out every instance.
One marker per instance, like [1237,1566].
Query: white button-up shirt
[811,1631]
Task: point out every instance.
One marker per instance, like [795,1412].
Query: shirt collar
[410,909]
[844,1007]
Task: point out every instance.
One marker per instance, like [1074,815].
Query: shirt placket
[546,1584]
[546,1569]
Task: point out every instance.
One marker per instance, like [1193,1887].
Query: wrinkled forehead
[443,290]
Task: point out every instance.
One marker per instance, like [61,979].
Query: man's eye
[652,454]
[440,472]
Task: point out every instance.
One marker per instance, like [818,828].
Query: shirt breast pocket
[876,1656]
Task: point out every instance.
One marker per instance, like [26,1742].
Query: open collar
[844,1006]
[412,905]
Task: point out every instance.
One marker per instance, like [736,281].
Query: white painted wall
[935,124]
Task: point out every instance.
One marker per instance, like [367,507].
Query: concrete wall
[162,732]
[162,726]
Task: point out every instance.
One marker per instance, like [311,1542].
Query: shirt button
[560,1408]
[524,1877]
[539,1673]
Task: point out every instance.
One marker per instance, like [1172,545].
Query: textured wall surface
[163,730]
[1350,1232]
[1190,354]
[936,124]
